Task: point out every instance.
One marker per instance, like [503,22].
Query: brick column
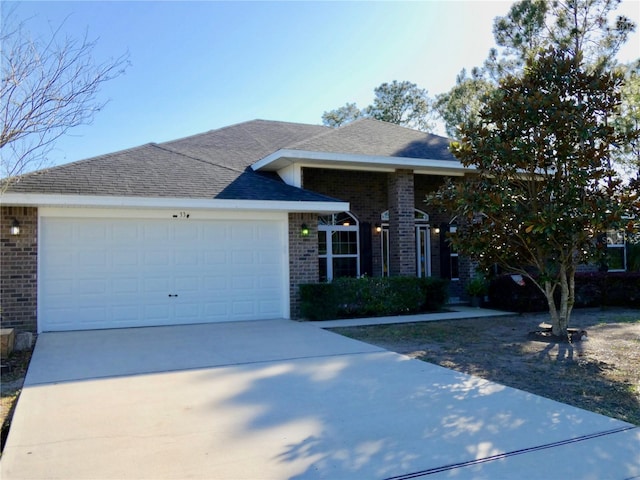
[402,233]
[18,269]
[303,256]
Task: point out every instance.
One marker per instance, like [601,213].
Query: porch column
[402,233]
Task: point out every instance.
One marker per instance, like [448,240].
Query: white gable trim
[45,200]
[283,160]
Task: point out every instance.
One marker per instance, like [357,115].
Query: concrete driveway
[284,400]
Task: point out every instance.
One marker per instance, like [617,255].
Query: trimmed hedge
[372,297]
[593,289]
[615,289]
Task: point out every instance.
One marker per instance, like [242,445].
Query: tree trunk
[561,314]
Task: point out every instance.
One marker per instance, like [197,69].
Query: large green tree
[628,122]
[463,102]
[543,187]
[402,103]
[581,28]
[586,28]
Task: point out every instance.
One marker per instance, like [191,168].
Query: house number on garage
[183,215]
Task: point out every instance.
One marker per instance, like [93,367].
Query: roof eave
[282,159]
[58,200]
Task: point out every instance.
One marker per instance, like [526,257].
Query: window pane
[322,242]
[455,269]
[344,243]
[322,269]
[325,220]
[345,267]
[615,258]
[385,252]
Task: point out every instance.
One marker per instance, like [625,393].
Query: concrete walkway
[286,400]
[454,312]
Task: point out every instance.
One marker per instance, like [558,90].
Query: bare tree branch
[47,87]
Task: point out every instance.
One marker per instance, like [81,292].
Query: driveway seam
[501,456]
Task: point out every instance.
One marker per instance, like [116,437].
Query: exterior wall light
[15,227]
[304,230]
[436,230]
[378,228]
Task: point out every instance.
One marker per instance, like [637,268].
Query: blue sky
[197,66]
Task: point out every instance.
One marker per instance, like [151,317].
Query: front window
[616,251]
[338,240]
[423,243]
[454,259]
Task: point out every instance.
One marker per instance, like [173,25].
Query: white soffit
[55,200]
[282,159]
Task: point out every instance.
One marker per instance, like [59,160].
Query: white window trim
[623,246]
[329,256]
[421,222]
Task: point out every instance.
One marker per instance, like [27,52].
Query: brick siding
[303,256]
[18,269]
[366,192]
[402,234]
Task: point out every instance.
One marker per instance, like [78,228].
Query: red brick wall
[303,256]
[18,268]
[366,192]
[402,238]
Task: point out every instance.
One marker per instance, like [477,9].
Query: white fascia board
[45,200]
[283,159]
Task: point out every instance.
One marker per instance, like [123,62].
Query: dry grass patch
[10,387]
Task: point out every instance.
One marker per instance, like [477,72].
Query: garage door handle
[174,295]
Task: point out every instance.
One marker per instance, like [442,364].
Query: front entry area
[97,271]
[423,243]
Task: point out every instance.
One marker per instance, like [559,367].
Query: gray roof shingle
[373,137]
[216,164]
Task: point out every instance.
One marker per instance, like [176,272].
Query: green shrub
[371,297]
[317,301]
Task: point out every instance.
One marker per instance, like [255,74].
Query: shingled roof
[375,138]
[216,164]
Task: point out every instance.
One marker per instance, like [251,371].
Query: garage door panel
[268,308]
[214,283]
[157,313]
[125,314]
[156,258]
[158,285]
[91,286]
[189,258]
[103,273]
[218,257]
[156,233]
[125,258]
[97,233]
[186,285]
[125,285]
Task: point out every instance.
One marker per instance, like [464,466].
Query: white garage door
[110,273]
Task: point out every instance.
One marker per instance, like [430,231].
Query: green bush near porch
[372,297]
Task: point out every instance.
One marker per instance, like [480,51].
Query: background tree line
[585,27]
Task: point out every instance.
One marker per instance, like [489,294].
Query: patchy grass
[13,373]
[600,373]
